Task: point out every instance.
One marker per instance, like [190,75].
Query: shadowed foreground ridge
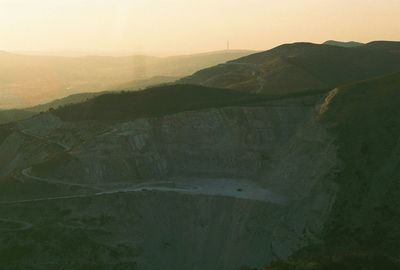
[356,261]
[365,118]
[362,231]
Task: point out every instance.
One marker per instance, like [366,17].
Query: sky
[188,26]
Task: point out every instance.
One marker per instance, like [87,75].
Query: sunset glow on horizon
[175,26]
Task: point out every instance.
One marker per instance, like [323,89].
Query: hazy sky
[186,26]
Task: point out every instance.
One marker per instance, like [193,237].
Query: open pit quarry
[211,189]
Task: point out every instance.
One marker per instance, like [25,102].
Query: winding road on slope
[256,68]
[235,188]
[27,173]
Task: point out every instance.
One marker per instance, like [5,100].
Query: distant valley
[27,80]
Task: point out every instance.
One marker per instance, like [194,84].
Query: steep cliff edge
[364,117]
[362,229]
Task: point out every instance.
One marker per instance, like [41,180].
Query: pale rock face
[231,142]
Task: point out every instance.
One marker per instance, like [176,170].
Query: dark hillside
[350,261]
[156,101]
[362,231]
[298,67]
[390,46]
[365,117]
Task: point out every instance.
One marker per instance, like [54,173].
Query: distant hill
[391,46]
[348,44]
[28,80]
[298,67]
[157,101]
[179,66]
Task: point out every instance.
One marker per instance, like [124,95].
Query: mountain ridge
[298,67]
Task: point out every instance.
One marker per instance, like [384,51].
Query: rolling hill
[391,46]
[301,66]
